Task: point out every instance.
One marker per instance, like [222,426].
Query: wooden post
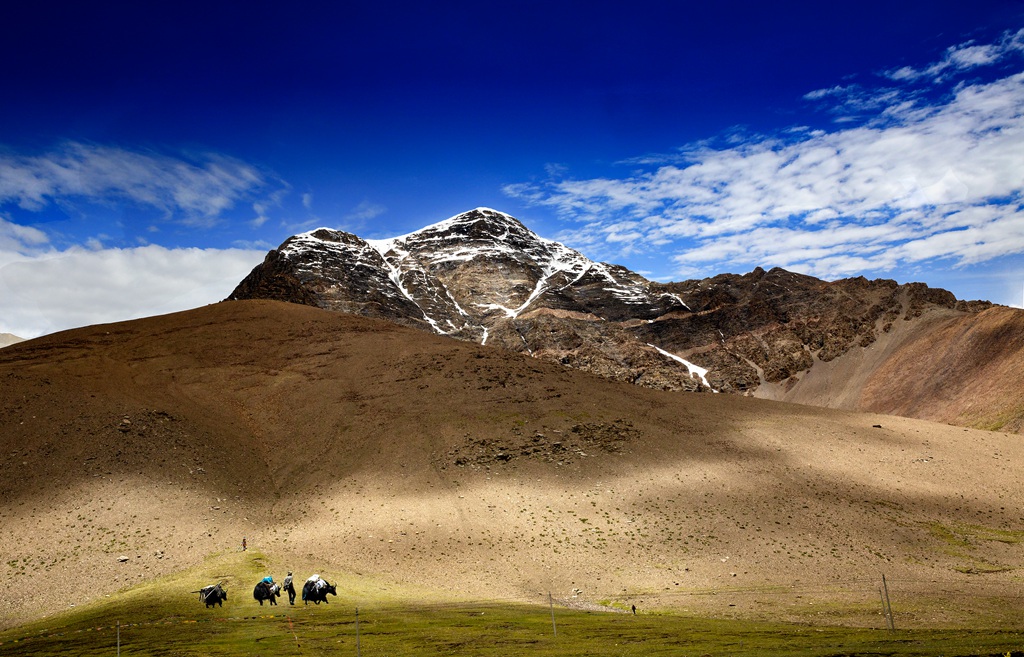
[358,649]
[888,605]
[551,603]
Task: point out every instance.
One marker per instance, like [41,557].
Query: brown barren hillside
[967,370]
[356,446]
[946,366]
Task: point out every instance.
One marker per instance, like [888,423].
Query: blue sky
[151,155]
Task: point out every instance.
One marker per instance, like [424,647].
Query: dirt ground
[350,446]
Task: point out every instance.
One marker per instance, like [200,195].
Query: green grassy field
[163,618]
[481,629]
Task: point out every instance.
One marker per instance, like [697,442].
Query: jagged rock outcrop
[333,270]
[483,276]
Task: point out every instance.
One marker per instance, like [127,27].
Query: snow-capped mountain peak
[464,275]
[484,276]
[478,276]
[479,233]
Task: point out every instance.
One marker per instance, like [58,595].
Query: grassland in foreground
[163,618]
[481,629]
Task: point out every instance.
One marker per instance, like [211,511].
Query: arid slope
[350,445]
[946,366]
[967,370]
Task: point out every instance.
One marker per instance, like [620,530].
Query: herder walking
[290,588]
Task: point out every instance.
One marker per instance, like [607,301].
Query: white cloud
[253,245]
[853,101]
[818,94]
[18,239]
[52,291]
[916,181]
[195,191]
[963,57]
[969,56]
[264,206]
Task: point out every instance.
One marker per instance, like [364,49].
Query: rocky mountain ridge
[460,277]
[483,276]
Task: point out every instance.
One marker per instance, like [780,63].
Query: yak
[318,594]
[264,591]
[213,595]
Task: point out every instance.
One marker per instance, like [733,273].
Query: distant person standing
[290,588]
[243,544]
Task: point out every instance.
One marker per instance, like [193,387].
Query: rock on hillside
[483,276]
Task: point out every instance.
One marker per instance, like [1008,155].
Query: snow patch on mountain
[701,372]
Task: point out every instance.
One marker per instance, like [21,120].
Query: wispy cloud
[914,180]
[963,57]
[193,190]
[263,206]
[365,211]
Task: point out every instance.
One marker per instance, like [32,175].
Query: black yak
[213,595]
[264,591]
[316,593]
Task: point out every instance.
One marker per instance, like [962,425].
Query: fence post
[888,605]
[551,603]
